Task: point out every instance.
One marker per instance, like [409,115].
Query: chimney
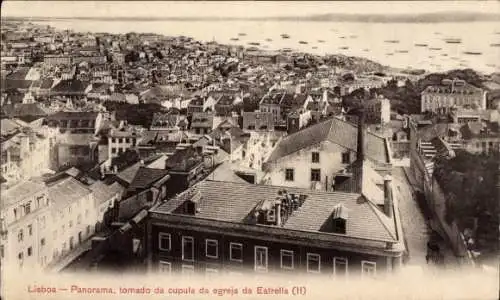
[277,212]
[388,204]
[360,154]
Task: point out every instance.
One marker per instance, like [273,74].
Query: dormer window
[339,219]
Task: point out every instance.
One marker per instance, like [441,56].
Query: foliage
[469,181]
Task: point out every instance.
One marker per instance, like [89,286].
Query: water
[362,39]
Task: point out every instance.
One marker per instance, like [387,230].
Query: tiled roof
[13,84]
[73,115]
[336,131]
[184,160]
[103,192]
[145,177]
[29,109]
[234,202]
[66,192]
[70,86]
[19,192]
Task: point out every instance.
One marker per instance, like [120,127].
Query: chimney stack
[277,213]
[360,154]
[388,204]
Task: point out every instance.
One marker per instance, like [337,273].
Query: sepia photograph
[250,149]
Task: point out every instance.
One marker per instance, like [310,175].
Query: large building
[310,157]
[228,227]
[452,93]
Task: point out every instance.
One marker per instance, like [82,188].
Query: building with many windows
[233,228]
[452,93]
[24,226]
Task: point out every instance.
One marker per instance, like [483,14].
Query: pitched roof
[184,160]
[74,115]
[234,202]
[19,192]
[145,177]
[70,86]
[67,191]
[103,192]
[336,131]
[29,109]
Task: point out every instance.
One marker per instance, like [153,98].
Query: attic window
[339,218]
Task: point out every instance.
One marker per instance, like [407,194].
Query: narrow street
[416,230]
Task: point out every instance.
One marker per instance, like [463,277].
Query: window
[27,208]
[315,175]
[164,267]
[368,268]
[88,229]
[70,224]
[339,266]
[187,248]
[120,140]
[30,251]
[30,229]
[113,150]
[2,250]
[20,255]
[289,174]
[286,259]
[15,213]
[113,140]
[260,258]
[164,241]
[315,157]
[235,252]
[345,157]
[212,248]
[20,235]
[187,269]
[79,219]
[42,242]
[313,263]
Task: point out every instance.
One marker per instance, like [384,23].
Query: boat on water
[421,45]
[431,56]
[391,41]
[453,41]
[353,36]
[491,65]
[253,48]
[315,47]
[344,48]
[435,49]
[401,51]
[321,41]
[464,65]
[235,39]
[254,44]
[302,42]
[286,50]
[473,52]
[285,36]
[437,33]
[269,40]
[389,54]
[342,37]
[242,34]
[366,50]
[444,54]
[495,45]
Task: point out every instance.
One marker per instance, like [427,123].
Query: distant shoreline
[448,17]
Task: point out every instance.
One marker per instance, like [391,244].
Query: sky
[233,8]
